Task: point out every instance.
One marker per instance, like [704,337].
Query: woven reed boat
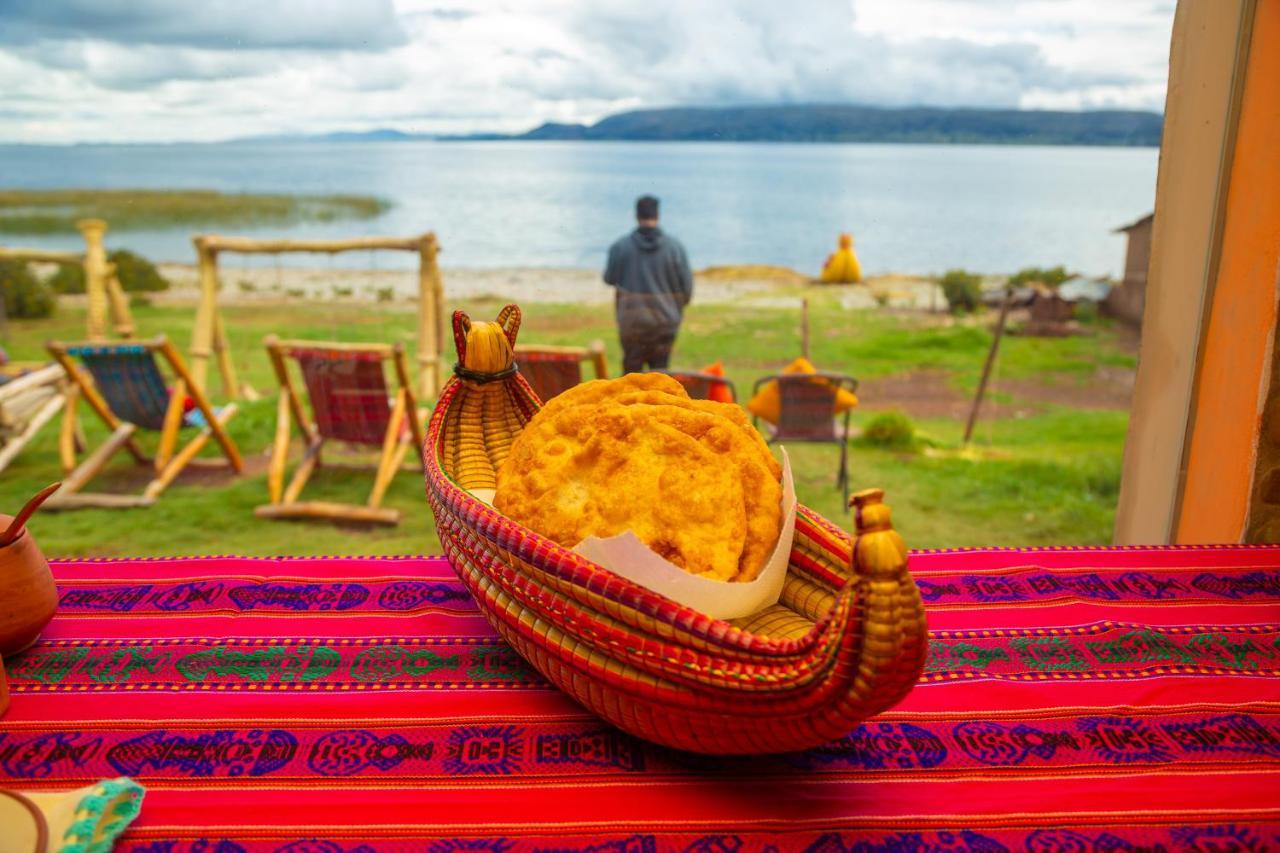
[846,641]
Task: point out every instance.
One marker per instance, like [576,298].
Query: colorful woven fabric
[348,393]
[550,373]
[1110,699]
[127,377]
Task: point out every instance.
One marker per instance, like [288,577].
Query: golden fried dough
[691,479]
[599,390]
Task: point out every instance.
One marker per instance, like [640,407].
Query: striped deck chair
[808,413]
[124,386]
[350,402]
[699,384]
[554,370]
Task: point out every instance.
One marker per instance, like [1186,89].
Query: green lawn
[1050,477]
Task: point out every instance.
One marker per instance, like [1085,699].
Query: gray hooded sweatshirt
[651,272]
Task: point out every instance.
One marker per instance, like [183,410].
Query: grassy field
[1047,476]
[56,211]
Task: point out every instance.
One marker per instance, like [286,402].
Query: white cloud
[83,70]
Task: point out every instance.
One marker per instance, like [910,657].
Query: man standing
[650,271]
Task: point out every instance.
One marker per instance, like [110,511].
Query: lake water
[913,208]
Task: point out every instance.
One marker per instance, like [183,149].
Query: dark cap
[646,207]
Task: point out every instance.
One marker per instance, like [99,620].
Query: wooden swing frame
[27,394]
[101,285]
[209,339]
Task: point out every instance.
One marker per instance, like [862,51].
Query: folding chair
[123,384]
[553,370]
[699,384]
[808,413]
[350,403]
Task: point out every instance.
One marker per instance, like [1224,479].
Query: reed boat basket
[846,641]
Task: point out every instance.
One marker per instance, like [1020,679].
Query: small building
[1127,301]
[1081,289]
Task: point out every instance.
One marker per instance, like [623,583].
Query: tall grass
[55,211]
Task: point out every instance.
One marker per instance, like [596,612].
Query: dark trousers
[646,349]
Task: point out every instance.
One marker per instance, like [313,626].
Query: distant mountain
[841,123]
[818,123]
[385,134]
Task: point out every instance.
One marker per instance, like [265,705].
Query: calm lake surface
[913,208]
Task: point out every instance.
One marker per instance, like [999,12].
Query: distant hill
[818,123]
[841,123]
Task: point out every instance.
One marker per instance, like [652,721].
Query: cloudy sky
[143,70]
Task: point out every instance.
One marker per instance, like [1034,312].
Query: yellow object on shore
[842,265]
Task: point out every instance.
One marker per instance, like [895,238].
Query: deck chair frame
[168,461]
[593,353]
[840,432]
[698,381]
[285,503]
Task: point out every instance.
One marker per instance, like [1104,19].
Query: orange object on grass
[767,403]
[718,390]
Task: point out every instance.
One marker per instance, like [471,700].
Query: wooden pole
[804,328]
[430,321]
[252,245]
[95,276]
[222,348]
[121,319]
[41,255]
[202,335]
[986,368]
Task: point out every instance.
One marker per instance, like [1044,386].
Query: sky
[150,70]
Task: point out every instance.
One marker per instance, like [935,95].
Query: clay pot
[28,597]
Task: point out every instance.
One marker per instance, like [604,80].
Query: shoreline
[720,285]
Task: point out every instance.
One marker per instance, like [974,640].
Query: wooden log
[330,511]
[206,310]
[804,328]
[222,349]
[276,351]
[47,375]
[95,276]
[41,256]
[430,323]
[95,462]
[172,425]
[102,500]
[279,449]
[121,319]
[310,459]
[392,451]
[68,434]
[186,456]
[216,422]
[14,446]
[251,245]
[596,350]
[382,350]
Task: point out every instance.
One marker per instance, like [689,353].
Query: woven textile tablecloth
[1074,699]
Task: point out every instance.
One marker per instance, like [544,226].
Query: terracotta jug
[28,597]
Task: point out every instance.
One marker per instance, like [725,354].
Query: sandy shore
[723,285]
